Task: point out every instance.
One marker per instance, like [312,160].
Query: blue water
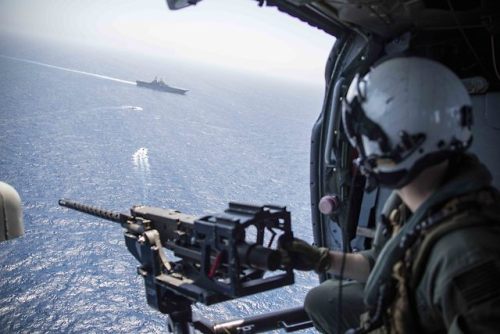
[233,137]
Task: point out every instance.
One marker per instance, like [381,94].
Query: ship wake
[95,75]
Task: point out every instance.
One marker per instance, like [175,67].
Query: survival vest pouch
[470,210]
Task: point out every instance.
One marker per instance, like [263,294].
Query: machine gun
[219,257]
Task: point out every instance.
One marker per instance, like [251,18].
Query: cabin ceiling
[389,18]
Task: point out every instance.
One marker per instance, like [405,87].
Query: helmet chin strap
[373,181]
[401,178]
[394,180]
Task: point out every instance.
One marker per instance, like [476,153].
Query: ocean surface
[73,125]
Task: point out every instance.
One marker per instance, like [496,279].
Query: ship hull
[161,88]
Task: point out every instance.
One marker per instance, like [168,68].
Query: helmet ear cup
[405,115]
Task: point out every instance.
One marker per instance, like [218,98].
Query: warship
[161,86]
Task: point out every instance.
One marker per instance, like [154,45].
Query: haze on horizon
[236,34]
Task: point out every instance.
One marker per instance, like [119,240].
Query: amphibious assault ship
[161,86]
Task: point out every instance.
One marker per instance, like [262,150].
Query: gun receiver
[219,258]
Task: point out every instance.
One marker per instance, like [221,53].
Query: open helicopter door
[344,215]
[338,198]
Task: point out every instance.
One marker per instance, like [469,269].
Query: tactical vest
[469,210]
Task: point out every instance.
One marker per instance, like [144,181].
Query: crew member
[439,270]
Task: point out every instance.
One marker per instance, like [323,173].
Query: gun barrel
[95,211]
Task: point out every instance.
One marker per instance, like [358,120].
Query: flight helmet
[404,115]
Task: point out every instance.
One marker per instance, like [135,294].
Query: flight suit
[456,286]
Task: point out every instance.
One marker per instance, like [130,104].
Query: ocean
[72,125]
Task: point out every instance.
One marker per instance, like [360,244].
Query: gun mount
[219,257]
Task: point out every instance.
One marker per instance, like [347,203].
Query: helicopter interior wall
[486,132]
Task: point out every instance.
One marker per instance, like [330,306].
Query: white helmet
[405,115]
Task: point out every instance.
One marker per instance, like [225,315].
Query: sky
[236,34]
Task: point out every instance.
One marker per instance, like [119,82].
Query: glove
[303,256]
